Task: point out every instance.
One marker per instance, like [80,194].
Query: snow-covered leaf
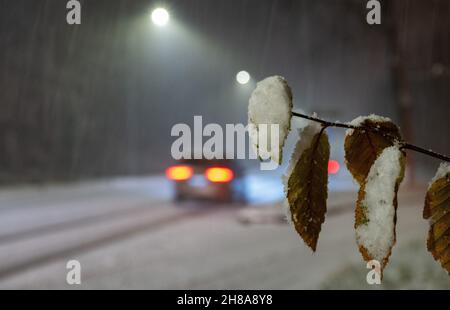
[306,183]
[375,214]
[437,211]
[363,146]
[270,103]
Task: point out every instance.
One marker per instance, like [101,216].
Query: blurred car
[216,180]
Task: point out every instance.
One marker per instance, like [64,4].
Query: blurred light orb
[333,166]
[160,17]
[243,77]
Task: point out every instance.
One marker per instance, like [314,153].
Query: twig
[324,122]
[404,145]
[418,149]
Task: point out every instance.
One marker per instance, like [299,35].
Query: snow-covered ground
[126,238]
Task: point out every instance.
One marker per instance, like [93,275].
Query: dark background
[99,99]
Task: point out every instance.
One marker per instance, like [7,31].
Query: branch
[404,145]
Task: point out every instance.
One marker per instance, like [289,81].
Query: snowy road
[127,237]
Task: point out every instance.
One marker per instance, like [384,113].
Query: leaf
[306,183]
[270,104]
[363,146]
[376,207]
[437,211]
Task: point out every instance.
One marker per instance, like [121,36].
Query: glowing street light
[243,77]
[160,17]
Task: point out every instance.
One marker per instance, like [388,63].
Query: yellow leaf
[306,183]
[363,146]
[437,211]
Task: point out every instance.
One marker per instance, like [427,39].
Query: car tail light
[179,173]
[219,174]
[333,166]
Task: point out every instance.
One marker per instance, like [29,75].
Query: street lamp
[243,77]
[160,17]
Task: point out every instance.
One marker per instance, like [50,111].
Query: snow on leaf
[376,207]
[360,120]
[270,103]
[437,211]
[306,182]
[363,146]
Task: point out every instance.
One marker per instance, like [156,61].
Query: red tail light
[219,174]
[333,166]
[179,173]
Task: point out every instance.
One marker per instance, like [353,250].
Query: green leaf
[437,210]
[306,183]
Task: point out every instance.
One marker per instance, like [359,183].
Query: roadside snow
[378,234]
